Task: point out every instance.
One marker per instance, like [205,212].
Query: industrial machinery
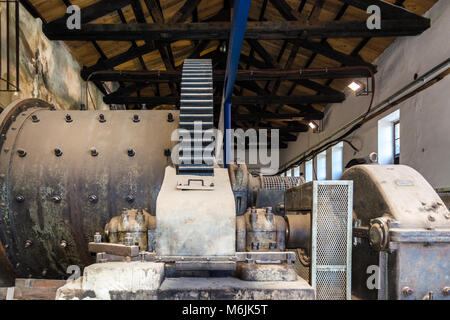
[65,174]
[101,190]
[401,230]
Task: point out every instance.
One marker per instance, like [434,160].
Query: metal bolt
[431,218]
[131,153]
[63,244]
[56,199]
[93,198]
[167,153]
[102,118]
[58,152]
[407,291]
[97,237]
[44,272]
[129,198]
[20,198]
[446,291]
[170,117]
[136,118]
[212,185]
[28,243]
[94,152]
[447,216]
[68,118]
[22,153]
[34,118]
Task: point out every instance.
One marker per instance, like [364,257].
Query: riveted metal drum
[64,174]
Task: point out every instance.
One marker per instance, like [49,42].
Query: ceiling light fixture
[355,86]
[359,88]
[313,125]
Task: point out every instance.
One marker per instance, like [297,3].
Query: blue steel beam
[238,25]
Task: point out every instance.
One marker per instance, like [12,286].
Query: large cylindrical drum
[65,174]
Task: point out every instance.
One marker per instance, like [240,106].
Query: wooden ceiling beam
[185,11]
[388,10]
[268,30]
[92,12]
[115,98]
[286,11]
[270,116]
[219,75]
[306,83]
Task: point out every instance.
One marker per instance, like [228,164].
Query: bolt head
[407,291]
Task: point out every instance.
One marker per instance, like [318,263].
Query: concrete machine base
[146,281]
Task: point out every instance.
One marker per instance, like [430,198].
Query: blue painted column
[238,25]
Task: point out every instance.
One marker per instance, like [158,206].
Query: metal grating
[280,183]
[331,239]
[330,285]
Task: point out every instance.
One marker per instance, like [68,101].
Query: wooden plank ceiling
[158,35]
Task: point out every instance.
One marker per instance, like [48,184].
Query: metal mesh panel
[331,246]
[280,183]
[332,206]
[330,285]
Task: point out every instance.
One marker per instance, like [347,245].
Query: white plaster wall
[424,118]
[48,70]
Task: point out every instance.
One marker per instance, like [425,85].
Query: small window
[396,142]
[289,173]
[388,132]
[322,166]
[309,170]
[337,160]
[297,172]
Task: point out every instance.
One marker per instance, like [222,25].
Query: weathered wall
[425,134]
[47,68]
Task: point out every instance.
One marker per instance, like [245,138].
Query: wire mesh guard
[331,239]
[280,183]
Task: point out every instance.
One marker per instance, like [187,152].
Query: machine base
[146,281]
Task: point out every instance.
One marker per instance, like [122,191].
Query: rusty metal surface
[63,178]
[402,226]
